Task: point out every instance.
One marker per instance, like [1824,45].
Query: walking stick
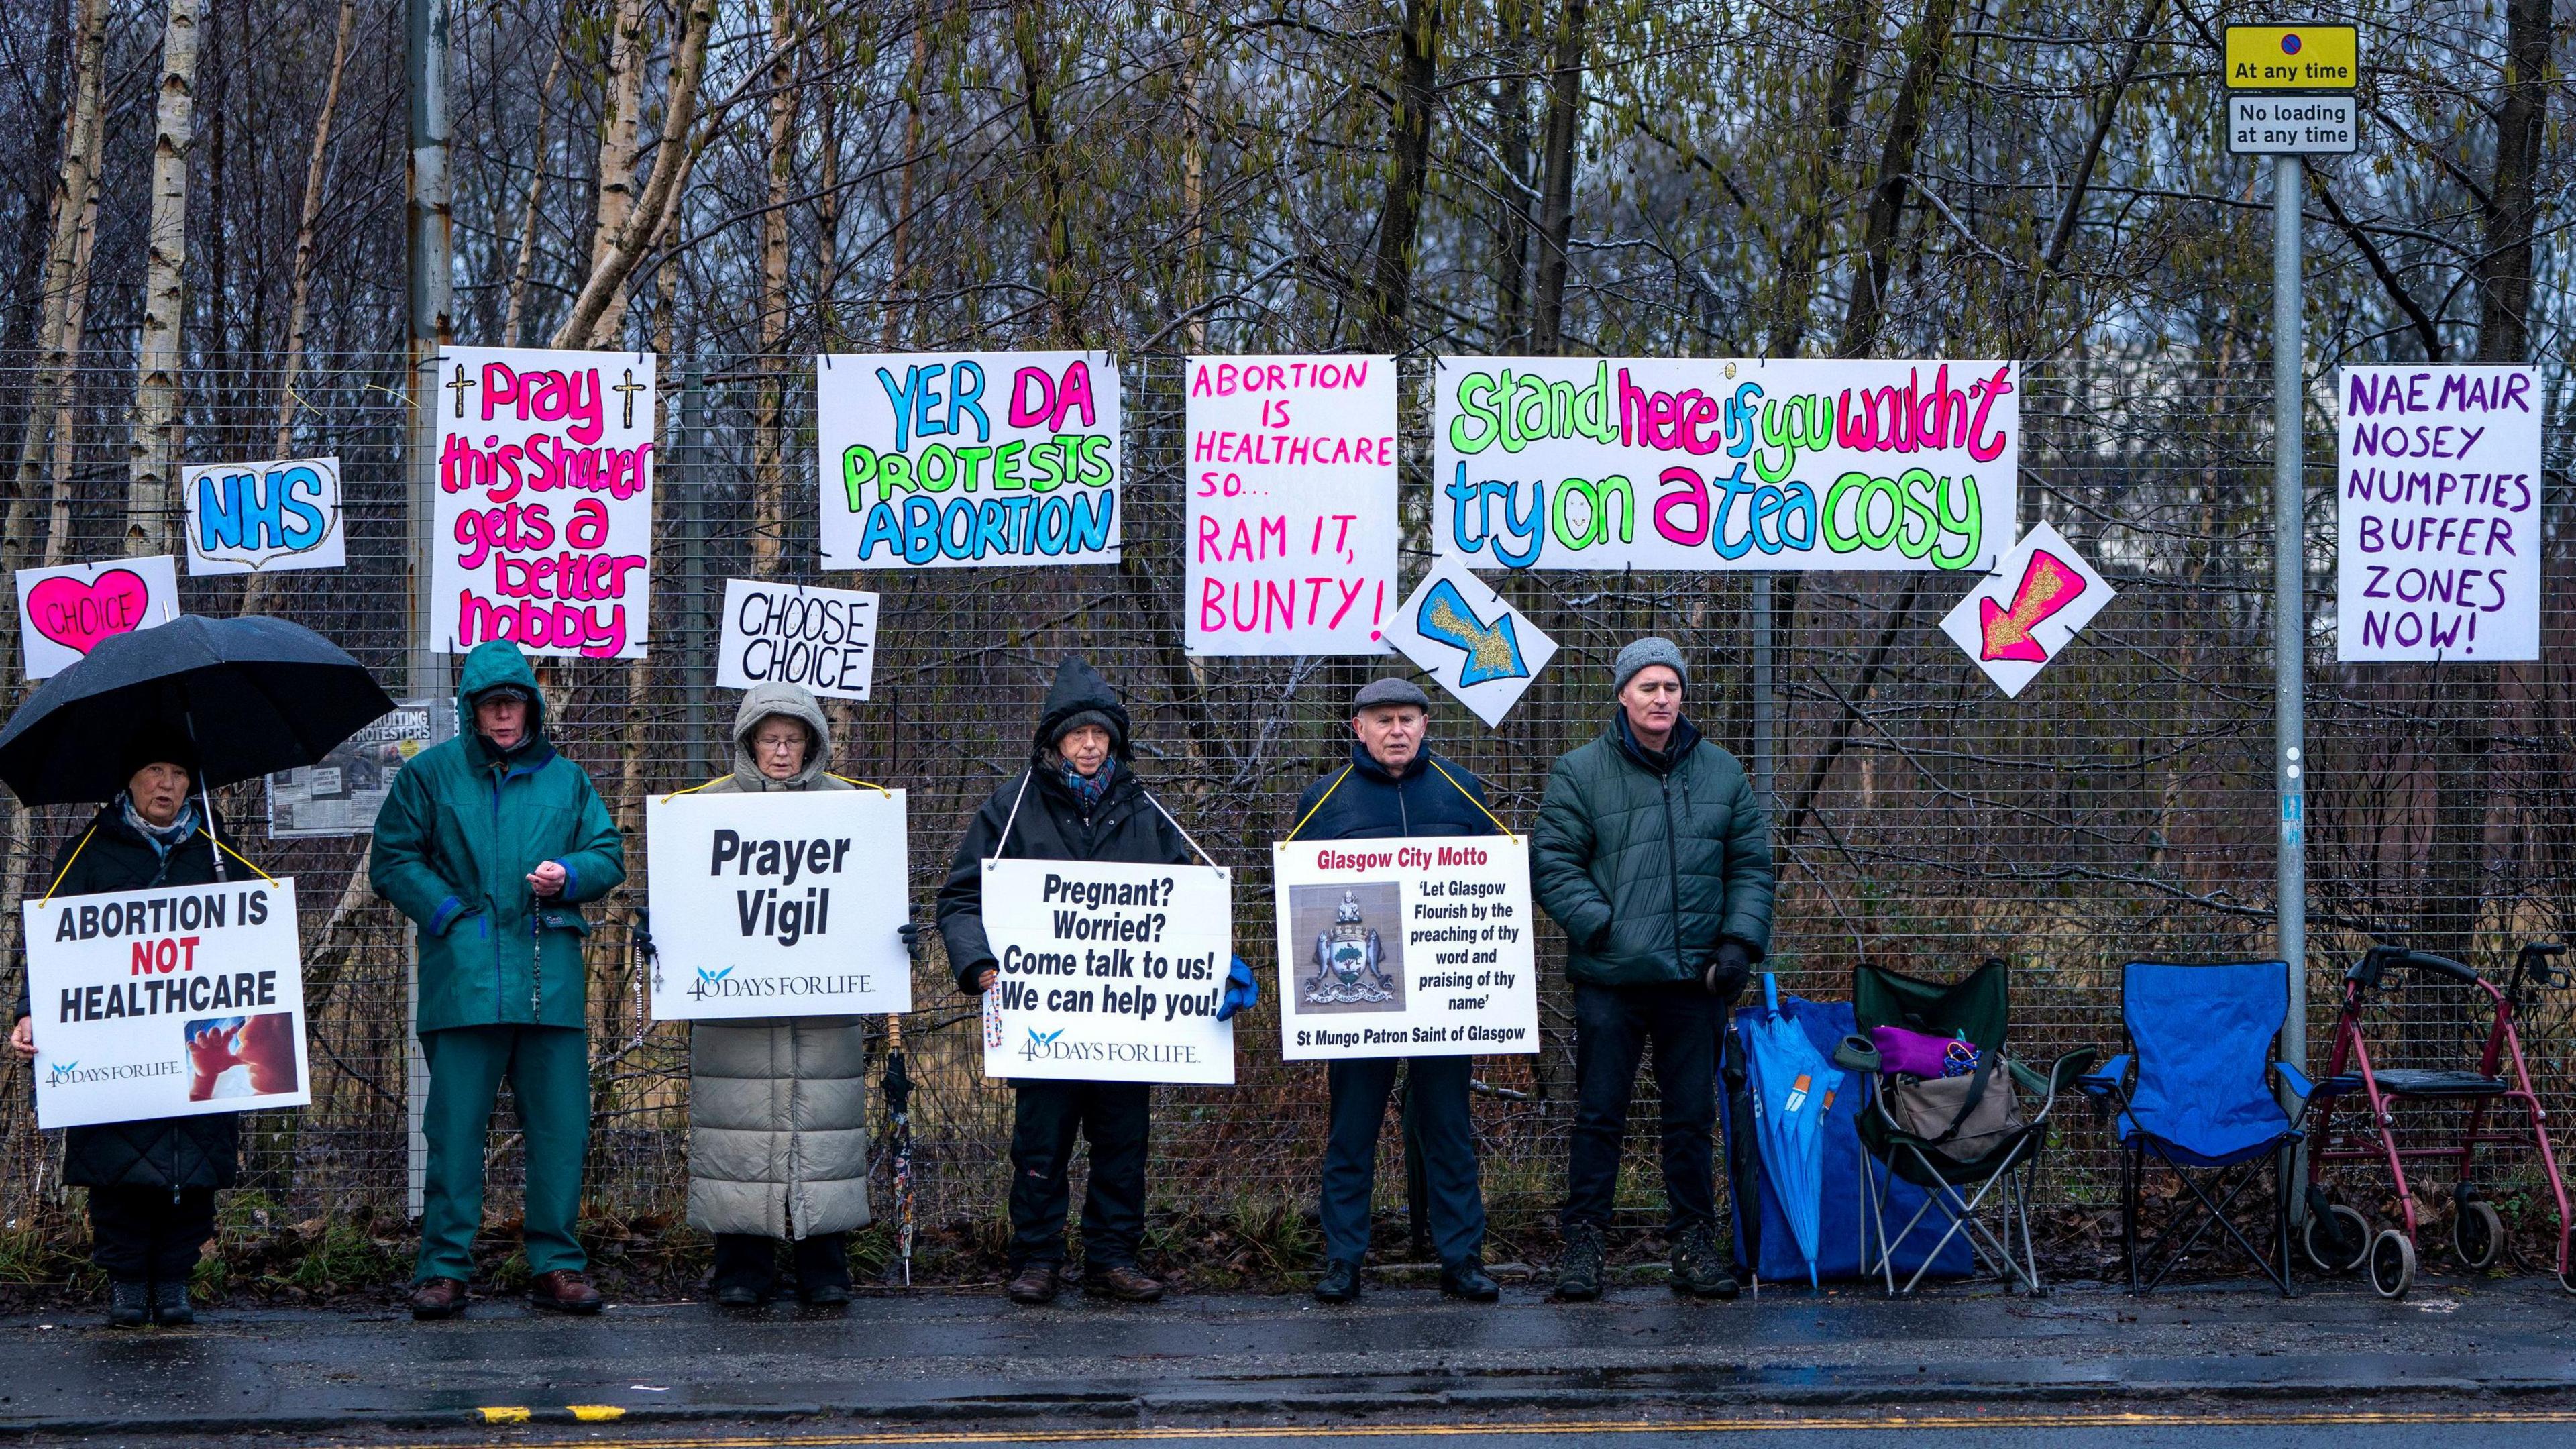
[898,1093]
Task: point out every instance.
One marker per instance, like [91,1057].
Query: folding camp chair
[1998,1183]
[2193,1095]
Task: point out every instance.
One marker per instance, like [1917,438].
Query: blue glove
[1240,990]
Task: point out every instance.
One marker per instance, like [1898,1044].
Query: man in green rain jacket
[490,842]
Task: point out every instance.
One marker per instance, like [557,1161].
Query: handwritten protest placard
[2028,610]
[1109,972]
[951,459]
[2437,513]
[1416,947]
[1470,639]
[545,501]
[64,612]
[1677,463]
[1291,511]
[823,639]
[778,904]
[260,517]
[169,1002]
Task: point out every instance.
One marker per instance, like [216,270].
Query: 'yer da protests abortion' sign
[545,501]
[1108,972]
[2437,513]
[1405,948]
[171,1002]
[1681,463]
[1291,504]
[949,459]
[783,903]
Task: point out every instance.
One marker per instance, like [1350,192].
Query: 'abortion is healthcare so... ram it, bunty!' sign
[955,459]
[783,903]
[1418,947]
[170,1002]
[1679,463]
[545,501]
[1108,972]
[2437,513]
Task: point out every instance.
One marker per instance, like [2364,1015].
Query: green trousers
[548,1068]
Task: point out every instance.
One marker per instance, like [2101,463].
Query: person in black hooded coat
[1079,799]
[151,1183]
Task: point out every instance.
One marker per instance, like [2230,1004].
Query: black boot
[1468,1279]
[170,1304]
[129,1305]
[1340,1283]
[1578,1273]
[1699,1265]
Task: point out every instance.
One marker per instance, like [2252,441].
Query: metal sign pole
[2289,611]
[425,57]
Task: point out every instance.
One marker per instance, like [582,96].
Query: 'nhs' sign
[246,517]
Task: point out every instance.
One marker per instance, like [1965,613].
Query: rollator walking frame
[2339,1237]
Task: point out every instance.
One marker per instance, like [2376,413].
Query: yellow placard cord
[1471,799]
[844,779]
[1435,764]
[1319,801]
[237,855]
[67,864]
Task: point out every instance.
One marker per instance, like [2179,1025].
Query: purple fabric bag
[1920,1054]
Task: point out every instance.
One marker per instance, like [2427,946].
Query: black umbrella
[256,694]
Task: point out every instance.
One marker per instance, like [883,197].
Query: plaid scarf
[1088,789]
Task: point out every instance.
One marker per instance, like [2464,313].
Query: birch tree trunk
[1561,151]
[152,427]
[631,221]
[526,260]
[768,471]
[299,307]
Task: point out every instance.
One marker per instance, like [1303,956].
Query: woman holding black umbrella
[151,1184]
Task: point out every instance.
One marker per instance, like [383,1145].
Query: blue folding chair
[2194,1094]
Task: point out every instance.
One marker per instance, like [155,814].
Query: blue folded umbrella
[1793,1085]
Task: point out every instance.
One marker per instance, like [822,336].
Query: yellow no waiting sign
[2293,57]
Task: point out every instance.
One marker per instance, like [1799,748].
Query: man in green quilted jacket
[491,842]
[1654,853]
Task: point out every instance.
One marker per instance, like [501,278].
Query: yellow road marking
[503,1414]
[596,1413]
[1846,1423]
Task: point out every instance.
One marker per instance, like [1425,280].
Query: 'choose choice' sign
[823,639]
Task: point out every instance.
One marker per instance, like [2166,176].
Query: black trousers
[149,1234]
[1115,1118]
[1613,1026]
[750,1260]
[1437,1101]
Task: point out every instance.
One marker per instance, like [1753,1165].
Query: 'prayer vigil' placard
[952,459]
[1415,947]
[545,501]
[2437,513]
[170,1002]
[1291,504]
[782,903]
[1692,463]
[1109,972]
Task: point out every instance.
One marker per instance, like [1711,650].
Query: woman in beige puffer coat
[778,1134]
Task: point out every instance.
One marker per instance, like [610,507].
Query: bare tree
[152,444]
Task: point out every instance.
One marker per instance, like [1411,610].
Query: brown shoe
[438,1298]
[565,1291]
[1123,1283]
[1035,1284]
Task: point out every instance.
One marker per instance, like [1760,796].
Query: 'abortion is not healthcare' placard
[2437,513]
[171,1002]
[1677,463]
[778,904]
[1405,948]
[1109,972]
[545,501]
[952,459]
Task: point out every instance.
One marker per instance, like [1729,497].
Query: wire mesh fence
[2121,808]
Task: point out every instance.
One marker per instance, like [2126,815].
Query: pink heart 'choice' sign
[77,615]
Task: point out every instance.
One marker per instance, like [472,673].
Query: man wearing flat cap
[1394,786]
[1654,854]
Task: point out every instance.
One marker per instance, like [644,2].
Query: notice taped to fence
[1416,947]
[823,639]
[778,904]
[341,794]
[2437,513]
[171,1002]
[1109,972]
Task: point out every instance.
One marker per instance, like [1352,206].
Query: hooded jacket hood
[791,701]
[1079,690]
[493,663]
